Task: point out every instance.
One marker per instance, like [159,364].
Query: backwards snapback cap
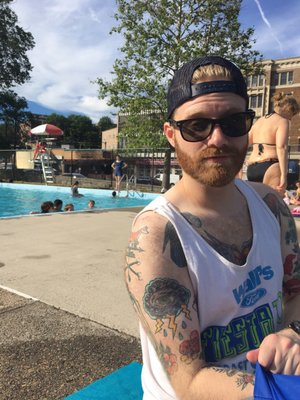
[181,88]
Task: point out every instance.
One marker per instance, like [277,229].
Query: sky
[74,47]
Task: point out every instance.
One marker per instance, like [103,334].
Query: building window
[255,80]
[143,171]
[256,101]
[283,78]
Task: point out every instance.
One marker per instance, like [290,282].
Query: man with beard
[211,264]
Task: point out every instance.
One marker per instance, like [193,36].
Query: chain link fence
[93,167]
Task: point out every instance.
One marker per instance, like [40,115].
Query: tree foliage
[79,130]
[106,123]
[15,42]
[12,114]
[159,36]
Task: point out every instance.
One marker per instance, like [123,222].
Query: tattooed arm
[280,353]
[162,294]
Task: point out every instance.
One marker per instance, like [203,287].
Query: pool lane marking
[26,296]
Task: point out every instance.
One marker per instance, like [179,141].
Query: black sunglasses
[198,129]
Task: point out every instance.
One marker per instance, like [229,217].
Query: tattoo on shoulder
[243,379]
[176,252]
[133,248]
[277,208]
[193,220]
[166,299]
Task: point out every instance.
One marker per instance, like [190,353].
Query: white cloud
[287,32]
[73,48]
[267,22]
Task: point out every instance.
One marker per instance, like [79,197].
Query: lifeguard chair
[42,157]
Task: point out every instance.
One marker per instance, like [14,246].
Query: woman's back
[264,136]
[269,138]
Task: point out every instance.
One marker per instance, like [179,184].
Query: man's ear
[169,132]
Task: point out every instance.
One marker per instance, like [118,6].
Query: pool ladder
[47,169]
[129,183]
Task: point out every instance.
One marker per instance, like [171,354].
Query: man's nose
[217,137]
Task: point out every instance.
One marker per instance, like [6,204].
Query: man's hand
[279,353]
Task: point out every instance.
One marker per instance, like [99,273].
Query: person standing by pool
[268,161]
[118,166]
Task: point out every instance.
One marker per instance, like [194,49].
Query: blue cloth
[270,386]
[123,384]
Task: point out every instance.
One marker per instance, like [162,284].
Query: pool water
[18,200]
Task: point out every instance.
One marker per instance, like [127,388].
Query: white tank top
[238,304]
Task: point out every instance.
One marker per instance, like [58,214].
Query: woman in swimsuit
[118,166]
[268,160]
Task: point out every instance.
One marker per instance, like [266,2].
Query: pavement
[73,262]
[65,316]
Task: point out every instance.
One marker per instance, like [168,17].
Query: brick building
[282,75]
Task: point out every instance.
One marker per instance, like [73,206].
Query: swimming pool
[20,199]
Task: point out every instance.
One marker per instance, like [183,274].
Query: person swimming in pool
[118,165]
[91,204]
[268,160]
[75,191]
[69,207]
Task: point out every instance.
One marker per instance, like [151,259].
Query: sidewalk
[80,324]
[73,262]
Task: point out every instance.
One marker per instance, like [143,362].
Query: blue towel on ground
[270,386]
[123,384]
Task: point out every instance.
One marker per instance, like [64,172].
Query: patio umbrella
[46,130]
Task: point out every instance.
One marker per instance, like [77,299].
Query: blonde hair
[211,71]
[286,103]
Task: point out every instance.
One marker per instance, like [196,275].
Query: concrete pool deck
[73,262]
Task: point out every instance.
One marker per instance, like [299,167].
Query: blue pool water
[17,200]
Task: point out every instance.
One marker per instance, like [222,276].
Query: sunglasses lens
[236,125]
[196,130]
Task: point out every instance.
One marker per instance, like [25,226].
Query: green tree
[15,42]
[81,132]
[106,123]
[159,36]
[58,120]
[12,113]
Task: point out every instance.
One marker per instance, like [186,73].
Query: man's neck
[189,193]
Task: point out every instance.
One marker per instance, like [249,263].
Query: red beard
[212,174]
